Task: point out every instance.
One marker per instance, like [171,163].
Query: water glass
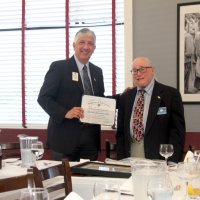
[197,157]
[106,191]
[188,172]
[34,194]
[160,188]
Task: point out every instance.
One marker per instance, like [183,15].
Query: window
[28,47]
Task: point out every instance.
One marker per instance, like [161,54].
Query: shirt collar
[79,64]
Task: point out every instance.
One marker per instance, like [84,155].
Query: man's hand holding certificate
[98,110]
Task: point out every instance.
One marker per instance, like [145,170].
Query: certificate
[98,110]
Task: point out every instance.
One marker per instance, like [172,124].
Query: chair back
[10,149]
[56,179]
[111,151]
[17,182]
[67,176]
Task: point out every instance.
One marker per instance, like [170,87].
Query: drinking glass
[188,172]
[142,171]
[37,149]
[106,191]
[160,188]
[34,194]
[197,157]
[166,150]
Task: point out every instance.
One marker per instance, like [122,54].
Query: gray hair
[85,31]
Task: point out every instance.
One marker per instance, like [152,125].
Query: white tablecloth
[13,167]
[82,185]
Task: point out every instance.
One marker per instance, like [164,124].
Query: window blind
[45,42]
[10,63]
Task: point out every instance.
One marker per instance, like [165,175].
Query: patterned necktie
[138,128]
[87,83]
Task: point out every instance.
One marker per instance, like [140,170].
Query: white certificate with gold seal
[98,110]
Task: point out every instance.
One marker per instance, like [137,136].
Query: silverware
[124,192]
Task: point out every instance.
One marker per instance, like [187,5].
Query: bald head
[143,71]
[142,59]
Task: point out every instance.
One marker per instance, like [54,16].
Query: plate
[11,160]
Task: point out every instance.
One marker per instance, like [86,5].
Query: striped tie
[86,81]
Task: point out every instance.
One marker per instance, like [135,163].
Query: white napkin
[117,162]
[73,196]
[189,155]
[84,160]
[127,186]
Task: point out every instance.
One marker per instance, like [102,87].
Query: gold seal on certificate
[98,110]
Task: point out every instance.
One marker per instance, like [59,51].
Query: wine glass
[197,157]
[34,194]
[166,150]
[106,191]
[160,187]
[37,149]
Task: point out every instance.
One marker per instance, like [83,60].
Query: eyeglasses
[141,69]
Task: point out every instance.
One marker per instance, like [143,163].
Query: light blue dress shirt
[80,68]
[147,99]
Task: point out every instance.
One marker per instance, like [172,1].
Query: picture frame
[102,169]
[188,51]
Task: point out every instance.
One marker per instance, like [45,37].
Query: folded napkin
[117,162]
[73,196]
[127,186]
[189,156]
[84,160]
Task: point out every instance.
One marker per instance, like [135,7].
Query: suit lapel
[154,105]
[93,74]
[131,102]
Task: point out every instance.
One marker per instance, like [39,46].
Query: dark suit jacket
[58,95]
[166,128]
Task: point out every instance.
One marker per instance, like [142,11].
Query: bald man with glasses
[149,114]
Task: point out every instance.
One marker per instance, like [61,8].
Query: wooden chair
[17,182]
[56,179]
[67,176]
[13,183]
[111,151]
[10,150]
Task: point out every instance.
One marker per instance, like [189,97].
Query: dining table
[83,184]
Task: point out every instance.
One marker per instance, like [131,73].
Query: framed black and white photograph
[188,51]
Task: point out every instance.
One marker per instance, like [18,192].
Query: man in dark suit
[162,120]
[61,95]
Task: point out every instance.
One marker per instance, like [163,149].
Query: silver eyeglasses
[141,69]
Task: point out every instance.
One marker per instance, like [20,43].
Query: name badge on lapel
[162,111]
[74,76]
